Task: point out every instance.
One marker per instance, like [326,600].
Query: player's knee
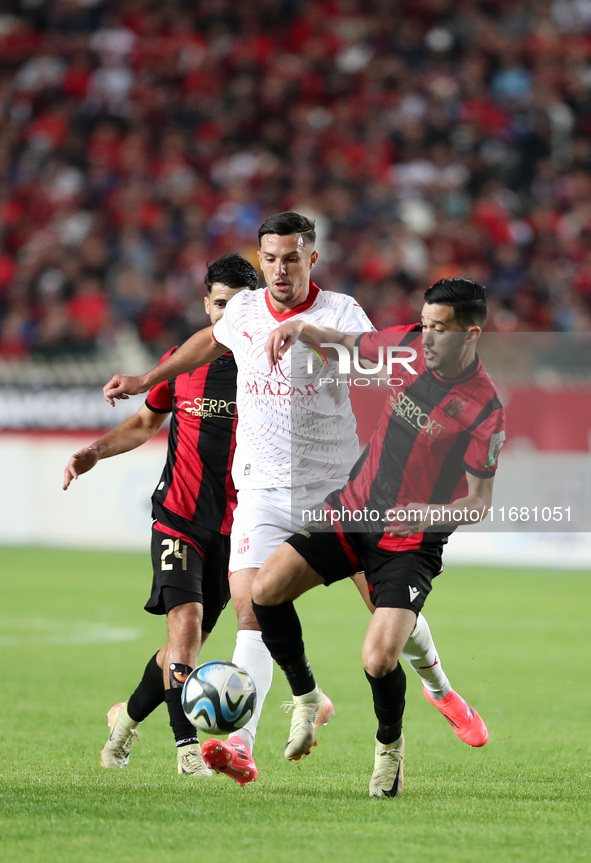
[259,589]
[266,589]
[376,663]
[184,622]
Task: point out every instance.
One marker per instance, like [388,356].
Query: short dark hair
[288,223]
[467,298]
[234,271]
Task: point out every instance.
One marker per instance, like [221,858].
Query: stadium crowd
[141,139]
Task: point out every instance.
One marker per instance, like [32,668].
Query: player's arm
[128,435]
[286,335]
[200,349]
[417,517]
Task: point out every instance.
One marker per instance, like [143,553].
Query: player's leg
[177,568]
[250,652]
[419,651]
[400,583]
[260,525]
[234,756]
[263,520]
[387,633]
[257,529]
[284,577]
[177,591]
[124,718]
[313,556]
[177,659]
[148,695]
[423,657]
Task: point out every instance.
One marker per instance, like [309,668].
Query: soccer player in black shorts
[428,468]
[192,510]
[287,256]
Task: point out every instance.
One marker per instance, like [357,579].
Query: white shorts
[266,517]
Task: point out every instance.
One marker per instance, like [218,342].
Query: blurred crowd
[140,139]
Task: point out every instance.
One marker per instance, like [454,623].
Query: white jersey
[295,423]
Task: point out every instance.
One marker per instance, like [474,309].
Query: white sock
[420,652]
[251,654]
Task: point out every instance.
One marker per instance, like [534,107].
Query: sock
[149,694]
[183,730]
[251,654]
[421,653]
[388,702]
[282,633]
[299,676]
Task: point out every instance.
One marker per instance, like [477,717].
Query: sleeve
[352,319]
[159,398]
[368,343]
[486,441]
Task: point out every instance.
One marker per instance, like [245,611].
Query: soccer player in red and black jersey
[428,468]
[287,257]
[192,510]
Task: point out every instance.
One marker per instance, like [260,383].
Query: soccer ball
[219,697]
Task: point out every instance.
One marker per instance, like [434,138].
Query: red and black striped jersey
[431,432]
[196,484]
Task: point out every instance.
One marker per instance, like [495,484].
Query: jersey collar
[303,307]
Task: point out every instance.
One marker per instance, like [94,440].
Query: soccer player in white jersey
[295,443]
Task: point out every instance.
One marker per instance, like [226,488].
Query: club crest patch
[454,407]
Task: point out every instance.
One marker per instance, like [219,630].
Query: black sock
[183,730]
[282,634]
[149,694]
[388,702]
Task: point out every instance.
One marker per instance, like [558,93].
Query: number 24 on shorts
[175,547]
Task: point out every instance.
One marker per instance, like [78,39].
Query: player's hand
[81,462]
[407,520]
[281,340]
[121,387]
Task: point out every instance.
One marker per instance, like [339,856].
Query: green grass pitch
[74,639]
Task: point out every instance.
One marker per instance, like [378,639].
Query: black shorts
[396,579]
[196,567]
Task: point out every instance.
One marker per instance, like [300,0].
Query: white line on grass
[34,631]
